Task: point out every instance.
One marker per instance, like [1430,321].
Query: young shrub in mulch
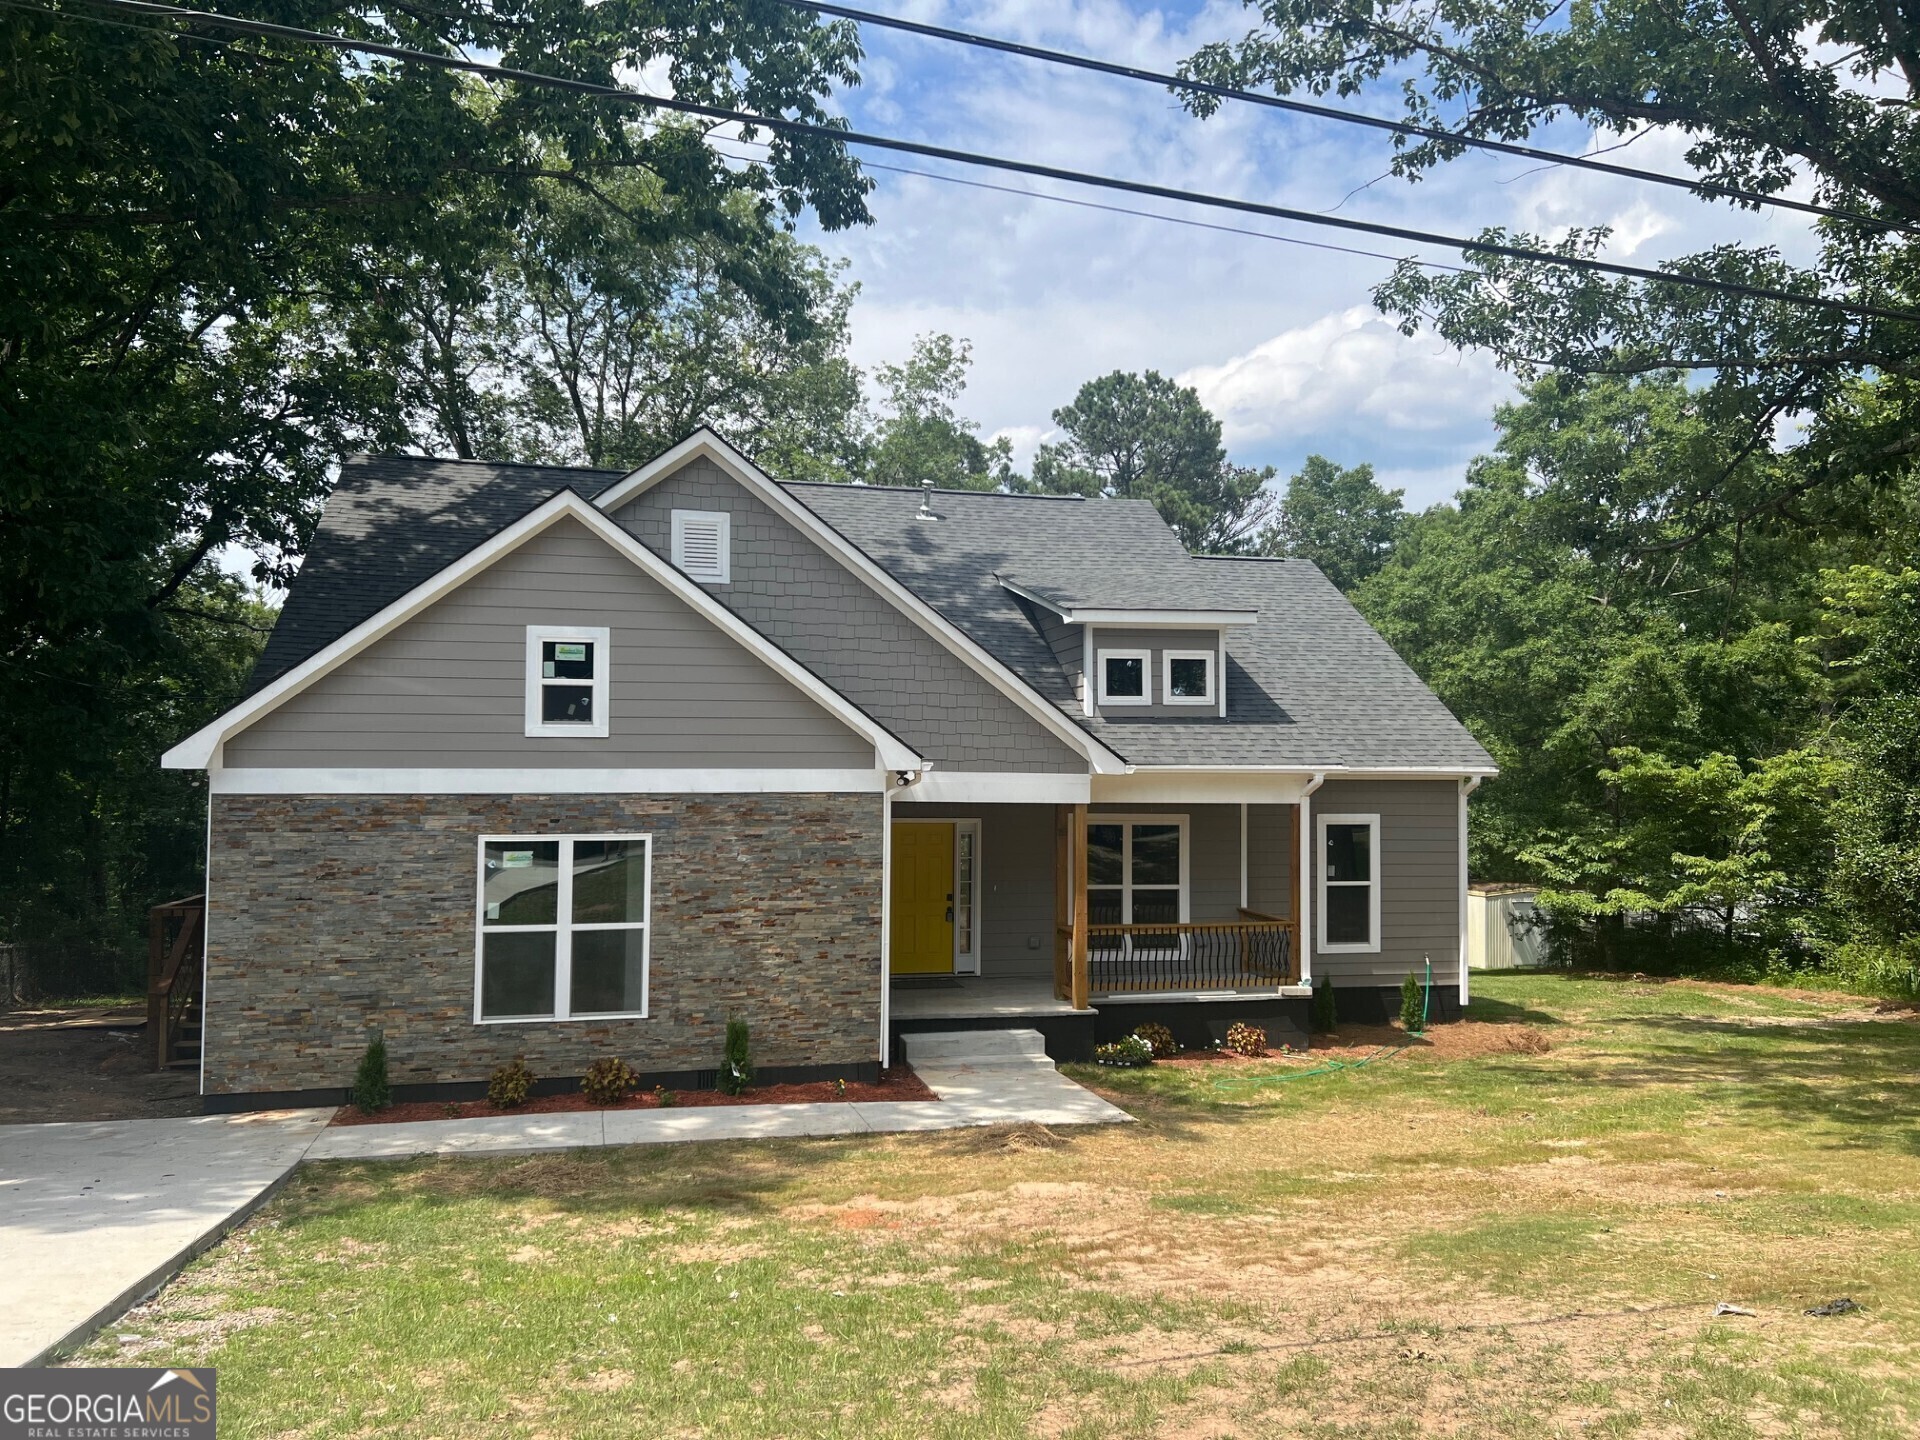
[736,1070]
[664,1097]
[510,1084]
[1159,1039]
[1129,1052]
[1325,1018]
[608,1081]
[1247,1040]
[371,1089]
[1413,1005]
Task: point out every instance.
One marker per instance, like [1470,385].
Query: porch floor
[975,997]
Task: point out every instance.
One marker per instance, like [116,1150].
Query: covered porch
[1035,909]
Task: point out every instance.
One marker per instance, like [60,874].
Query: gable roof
[392,522]
[202,748]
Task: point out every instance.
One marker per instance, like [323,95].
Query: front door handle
[949,914]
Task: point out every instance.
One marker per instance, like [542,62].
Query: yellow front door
[922,937]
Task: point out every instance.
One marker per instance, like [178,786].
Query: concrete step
[979,1048]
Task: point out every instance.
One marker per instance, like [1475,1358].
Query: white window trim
[1212,660]
[1127,822]
[1145,657]
[563,928]
[723,522]
[1321,885]
[600,638]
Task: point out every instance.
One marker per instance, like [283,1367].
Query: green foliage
[736,1066]
[1413,1004]
[510,1085]
[1159,1039]
[1326,1017]
[608,1081]
[922,438]
[1245,1039]
[664,1097]
[1143,437]
[1339,519]
[1129,1052]
[371,1089]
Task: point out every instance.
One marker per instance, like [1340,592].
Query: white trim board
[1000,787]
[546,781]
[704,444]
[201,749]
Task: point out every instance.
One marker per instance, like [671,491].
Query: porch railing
[1254,952]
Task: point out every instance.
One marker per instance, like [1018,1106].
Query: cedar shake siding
[448,688]
[804,600]
[332,915]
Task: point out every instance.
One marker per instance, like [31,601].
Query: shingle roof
[392,522]
[1310,683]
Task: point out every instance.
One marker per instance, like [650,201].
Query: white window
[1349,918]
[1188,676]
[702,545]
[1126,677]
[562,928]
[1136,869]
[567,680]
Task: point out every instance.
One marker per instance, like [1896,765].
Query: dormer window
[702,542]
[1125,677]
[567,680]
[1189,677]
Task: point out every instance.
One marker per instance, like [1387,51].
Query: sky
[1281,340]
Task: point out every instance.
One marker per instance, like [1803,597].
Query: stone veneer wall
[330,914]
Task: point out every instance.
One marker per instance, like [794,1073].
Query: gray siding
[1065,641]
[1106,637]
[447,689]
[791,590]
[1420,872]
[1270,859]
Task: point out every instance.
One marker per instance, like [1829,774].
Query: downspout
[1471,784]
[894,782]
[1305,861]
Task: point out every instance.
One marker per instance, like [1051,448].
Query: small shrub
[1413,1005]
[736,1070]
[607,1081]
[840,1088]
[664,1097]
[1129,1052]
[510,1084]
[1326,1018]
[1247,1040]
[371,1090]
[1160,1040]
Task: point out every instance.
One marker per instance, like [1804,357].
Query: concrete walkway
[95,1216]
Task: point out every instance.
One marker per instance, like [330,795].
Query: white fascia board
[549,780]
[198,751]
[1006,787]
[704,444]
[1144,619]
[1332,769]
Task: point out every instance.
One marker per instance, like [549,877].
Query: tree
[922,437]
[1142,437]
[1339,519]
[183,219]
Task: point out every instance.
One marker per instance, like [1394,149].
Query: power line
[1328,112]
[839,135]
[1119,210]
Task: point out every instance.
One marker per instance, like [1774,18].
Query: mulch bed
[898,1083]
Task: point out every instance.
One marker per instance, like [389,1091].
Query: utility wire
[781,125]
[1329,112]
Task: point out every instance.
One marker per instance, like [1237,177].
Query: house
[566,763]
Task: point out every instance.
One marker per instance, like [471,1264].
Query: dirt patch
[899,1083]
[1456,1040]
[86,1064]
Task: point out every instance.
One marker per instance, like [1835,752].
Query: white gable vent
[701,541]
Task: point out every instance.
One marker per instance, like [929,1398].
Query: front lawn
[1513,1244]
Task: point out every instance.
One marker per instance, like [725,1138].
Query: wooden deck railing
[1253,952]
[173,972]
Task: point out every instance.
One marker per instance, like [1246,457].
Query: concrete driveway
[94,1215]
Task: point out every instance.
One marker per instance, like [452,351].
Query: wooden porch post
[1077,842]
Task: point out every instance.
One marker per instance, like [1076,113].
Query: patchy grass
[1514,1244]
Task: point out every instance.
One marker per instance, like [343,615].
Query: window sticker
[569,652]
[516,859]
